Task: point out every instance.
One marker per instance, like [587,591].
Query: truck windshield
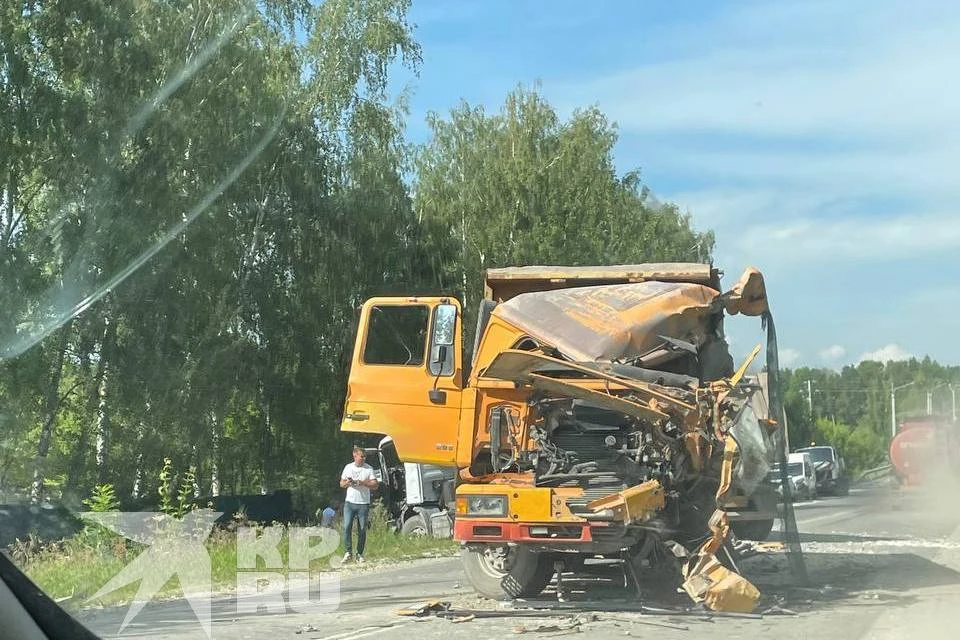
[820,454]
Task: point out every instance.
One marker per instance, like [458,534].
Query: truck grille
[589,447]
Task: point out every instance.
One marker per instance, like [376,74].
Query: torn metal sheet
[748,296]
[614,322]
[552,385]
[617,322]
[424,608]
[517,366]
[706,580]
[632,505]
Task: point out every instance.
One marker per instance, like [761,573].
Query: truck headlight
[490,506]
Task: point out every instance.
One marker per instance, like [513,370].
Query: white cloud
[802,116]
[833,353]
[819,141]
[810,74]
[856,238]
[887,353]
[788,357]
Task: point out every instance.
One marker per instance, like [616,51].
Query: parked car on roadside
[802,477]
[832,478]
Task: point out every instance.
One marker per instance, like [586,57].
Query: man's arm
[345,480]
[371,481]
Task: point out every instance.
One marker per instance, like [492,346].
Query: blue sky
[819,140]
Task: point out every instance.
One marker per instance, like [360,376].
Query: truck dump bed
[503,284]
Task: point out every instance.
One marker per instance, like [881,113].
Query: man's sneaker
[346,558]
[360,560]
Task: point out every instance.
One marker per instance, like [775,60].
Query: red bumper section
[470,530]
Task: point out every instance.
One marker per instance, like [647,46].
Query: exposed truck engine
[600,414]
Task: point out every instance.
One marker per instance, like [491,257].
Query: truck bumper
[470,530]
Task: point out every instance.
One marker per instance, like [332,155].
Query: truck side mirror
[444,324]
[442,339]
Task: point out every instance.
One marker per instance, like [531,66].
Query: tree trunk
[215,455]
[266,445]
[78,462]
[52,407]
[195,471]
[137,490]
[103,428]
[103,416]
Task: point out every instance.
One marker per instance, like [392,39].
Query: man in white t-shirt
[358,479]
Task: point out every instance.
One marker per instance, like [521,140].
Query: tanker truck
[925,448]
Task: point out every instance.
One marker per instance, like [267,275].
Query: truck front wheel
[414,526]
[504,572]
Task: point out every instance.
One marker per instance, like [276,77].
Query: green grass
[78,567]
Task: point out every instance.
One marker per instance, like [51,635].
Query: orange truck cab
[598,413]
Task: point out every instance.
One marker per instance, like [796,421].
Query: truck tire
[414,526]
[757,530]
[503,573]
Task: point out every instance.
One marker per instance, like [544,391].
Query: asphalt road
[881,564]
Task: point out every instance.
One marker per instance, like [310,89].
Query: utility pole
[893,412]
[810,398]
[953,397]
[893,407]
[786,435]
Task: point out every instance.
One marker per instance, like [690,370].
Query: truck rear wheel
[502,572]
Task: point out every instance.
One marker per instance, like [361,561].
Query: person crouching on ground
[358,479]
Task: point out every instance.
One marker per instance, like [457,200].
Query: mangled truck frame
[601,414]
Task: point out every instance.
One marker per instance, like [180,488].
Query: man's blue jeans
[352,510]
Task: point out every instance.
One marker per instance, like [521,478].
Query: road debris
[571,625]
[466,618]
[306,629]
[651,623]
[707,581]
[777,609]
[424,608]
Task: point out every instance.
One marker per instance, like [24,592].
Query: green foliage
[851,407]
[165,487]
[217,185]
[523,187]
[176,495]
[103,499]
[185,494]
[860,445]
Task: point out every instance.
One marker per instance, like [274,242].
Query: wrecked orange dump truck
[599,413]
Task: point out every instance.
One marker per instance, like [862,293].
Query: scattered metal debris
[570,625]
[466,618]
[777,609]
[306,629]
[707,581]
[424,608]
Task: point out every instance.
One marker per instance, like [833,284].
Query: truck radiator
[589,447]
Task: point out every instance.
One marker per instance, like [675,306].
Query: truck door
[406,376]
